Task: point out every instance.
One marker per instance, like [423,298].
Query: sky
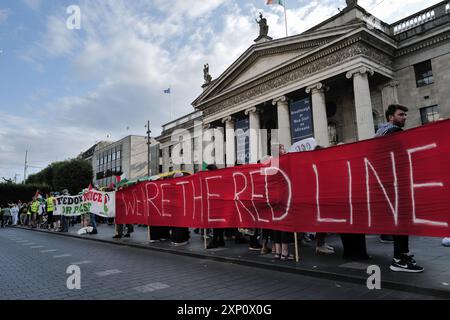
[62,90]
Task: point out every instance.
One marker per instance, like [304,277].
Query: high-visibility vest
[50,205]
[35,206]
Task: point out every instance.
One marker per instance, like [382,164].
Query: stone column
[284,125]
[165,159]
[208,144]
[254,140]
[389,94]
[230,147]
[319,112]
[363,103]
[219,157]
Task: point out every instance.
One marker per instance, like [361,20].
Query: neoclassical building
[333,81]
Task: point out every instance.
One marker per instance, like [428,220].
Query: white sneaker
[324,250]
[179,244]
[329,247]
[446,242]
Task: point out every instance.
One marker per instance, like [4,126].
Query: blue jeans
[92,219]
[65,223]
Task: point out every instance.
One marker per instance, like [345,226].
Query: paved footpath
[428,251]
[33,267]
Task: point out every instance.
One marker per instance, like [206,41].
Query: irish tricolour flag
[280,2]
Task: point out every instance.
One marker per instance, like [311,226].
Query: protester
[218,233]
[267,234]
[14,213]
[51,202]
[282,239]
[92,217]
[179,235]
[24,214]
[322,247]
[5,216]
[403,261]
[64,221]
[119,231]
[34,211]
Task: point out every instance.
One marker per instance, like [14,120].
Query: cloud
[33,4]
[4,14]
[127,53]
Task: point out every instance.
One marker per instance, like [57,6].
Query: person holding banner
[179,235]
[282,238]
[119,231]
[64,221]
[218,233]
[403,261]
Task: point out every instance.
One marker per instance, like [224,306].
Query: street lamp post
[148,148]
[148,167]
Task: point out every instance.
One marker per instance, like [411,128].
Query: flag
[90,187]
[280,2]
[204,165]
[121,177]
[167,91]
[37,194]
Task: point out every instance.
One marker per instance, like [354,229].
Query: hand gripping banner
[398,184]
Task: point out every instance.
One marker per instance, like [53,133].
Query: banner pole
[296,247]
[204,237]
[148,231]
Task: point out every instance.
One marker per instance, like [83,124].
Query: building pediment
[264,58]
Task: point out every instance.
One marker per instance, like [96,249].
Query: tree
[73,175]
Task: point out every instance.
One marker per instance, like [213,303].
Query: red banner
[398,184]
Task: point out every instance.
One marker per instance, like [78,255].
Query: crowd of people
[39,213]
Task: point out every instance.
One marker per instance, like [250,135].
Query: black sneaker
[403,265]
[127,235]
[386,239]
[117,236]
[212,245]
[409,258]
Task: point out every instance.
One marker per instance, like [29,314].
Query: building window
[170,169]
[182,167]
[170,151]
[377,120]
[429,114]
[160,168]
[196,168]
[160,153]
[424,73]
[332,132]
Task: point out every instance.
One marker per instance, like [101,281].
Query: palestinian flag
[280,2]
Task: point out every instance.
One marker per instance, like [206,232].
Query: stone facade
[351,66]
[178,145]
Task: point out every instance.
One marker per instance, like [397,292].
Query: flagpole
[170,97]
[285,17]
